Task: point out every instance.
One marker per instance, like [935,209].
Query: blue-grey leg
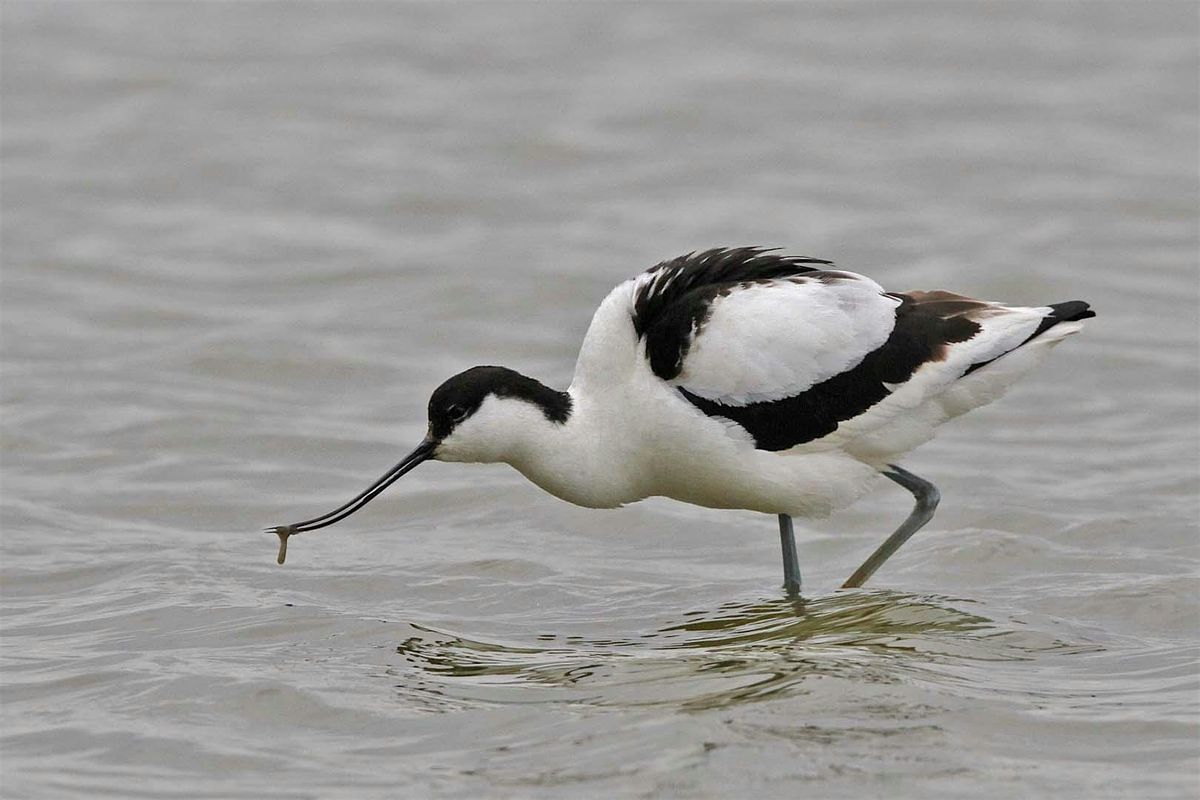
[927,497]
[791,564]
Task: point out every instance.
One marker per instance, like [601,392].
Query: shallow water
[242,242]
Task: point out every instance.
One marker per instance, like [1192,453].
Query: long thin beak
[423,452]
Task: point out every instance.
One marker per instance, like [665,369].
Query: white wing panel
[768,340]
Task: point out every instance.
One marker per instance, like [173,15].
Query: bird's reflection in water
[736,653]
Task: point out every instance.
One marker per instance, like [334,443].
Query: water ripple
[734,654]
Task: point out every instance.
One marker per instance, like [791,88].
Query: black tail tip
[1071,311]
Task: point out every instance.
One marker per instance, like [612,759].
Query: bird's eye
[457,413]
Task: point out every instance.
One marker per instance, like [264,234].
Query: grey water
[242,242]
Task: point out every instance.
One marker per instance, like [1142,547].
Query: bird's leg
[791,565]
[927,497]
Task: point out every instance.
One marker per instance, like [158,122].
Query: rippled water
[242,242]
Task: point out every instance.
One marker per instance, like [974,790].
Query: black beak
[423,452]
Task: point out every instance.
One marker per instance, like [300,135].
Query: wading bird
[742,378]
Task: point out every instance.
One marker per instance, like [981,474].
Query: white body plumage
[631,434]
[738,378]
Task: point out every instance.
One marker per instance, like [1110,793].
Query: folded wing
[793,353]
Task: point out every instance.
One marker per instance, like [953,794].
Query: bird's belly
[800,484]
[582,487]
[678,453]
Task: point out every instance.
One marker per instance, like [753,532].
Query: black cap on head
[461,396]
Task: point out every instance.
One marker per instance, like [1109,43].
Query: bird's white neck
[581,460]
[578,445]
[572,459]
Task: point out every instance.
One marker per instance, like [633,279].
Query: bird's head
[481,415]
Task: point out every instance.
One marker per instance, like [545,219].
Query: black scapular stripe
[919,336]
[669,310]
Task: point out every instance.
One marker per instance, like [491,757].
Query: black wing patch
[921,334]
[671,307]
